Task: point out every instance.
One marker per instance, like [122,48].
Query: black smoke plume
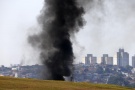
[59,20]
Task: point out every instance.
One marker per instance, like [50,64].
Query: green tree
[118,80]
[100,70]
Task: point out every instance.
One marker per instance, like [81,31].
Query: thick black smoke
[59,20]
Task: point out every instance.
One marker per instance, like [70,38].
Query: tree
[118,80]
[99,70]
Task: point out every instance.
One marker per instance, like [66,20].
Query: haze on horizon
[110,25]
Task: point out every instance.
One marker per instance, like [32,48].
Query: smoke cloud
[59,20]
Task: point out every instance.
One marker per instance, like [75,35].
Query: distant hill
[7,83]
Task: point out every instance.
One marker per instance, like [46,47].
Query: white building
[99,60]
[83,60]
[115,59]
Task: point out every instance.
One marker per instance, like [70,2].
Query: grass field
[7,83]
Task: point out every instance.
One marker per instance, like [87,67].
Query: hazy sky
[17,20]
[110,26]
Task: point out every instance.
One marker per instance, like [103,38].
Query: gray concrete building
[133,61]
[106,59]
[90,59]
[122,58]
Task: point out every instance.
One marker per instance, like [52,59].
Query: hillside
[7,83]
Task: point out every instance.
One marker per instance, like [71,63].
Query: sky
[18,19]
[110,25]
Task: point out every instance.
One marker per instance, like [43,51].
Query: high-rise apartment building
[106,59]
[89,59]
[122,58]
[133,61]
